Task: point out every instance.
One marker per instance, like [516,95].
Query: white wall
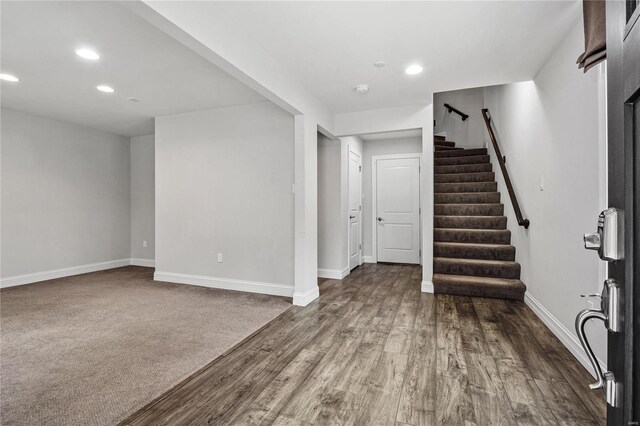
[380,147]
[206,29]
[468,133]
[224,185]
[142,199]
[331,260]
[65,196]
[550,128]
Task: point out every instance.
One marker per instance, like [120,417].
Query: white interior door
[355,210]
[398,210]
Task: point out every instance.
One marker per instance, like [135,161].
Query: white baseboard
[370,259]
[149,263]
[303,299]
[427,286]
[333,274]
[225,283]
[61,273]
[567,337]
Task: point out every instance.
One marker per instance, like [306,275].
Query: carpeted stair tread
[452,161]
[446,148]
[443,143]
[480,236]
[463,168]
[461,153]
[479,286]
[469,209]
[474,251]
[464,177]
[467,198]
[470,222]
[465,187]
[473,255]
[477,267]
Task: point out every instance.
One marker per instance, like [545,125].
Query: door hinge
[359,168]
[420,252]
[419,210]
[360,247]
[360,207]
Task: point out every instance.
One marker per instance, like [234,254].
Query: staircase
[472,254]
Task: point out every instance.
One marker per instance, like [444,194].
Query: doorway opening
[362,178]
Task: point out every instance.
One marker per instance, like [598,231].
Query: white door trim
[374,201]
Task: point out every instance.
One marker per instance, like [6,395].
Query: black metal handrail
[457,111]
[501,160]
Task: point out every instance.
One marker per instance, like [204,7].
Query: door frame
[360,237]
[374,198]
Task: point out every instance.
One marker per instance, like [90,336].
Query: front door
[355,209]
[397,218]
[623,62]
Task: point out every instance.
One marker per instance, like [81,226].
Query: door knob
[351,217]
[380,219]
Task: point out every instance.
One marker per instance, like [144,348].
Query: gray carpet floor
[94,348]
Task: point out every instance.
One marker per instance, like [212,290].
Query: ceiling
[38,43]
[400,134]
[332,46]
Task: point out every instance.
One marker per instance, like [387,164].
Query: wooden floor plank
[375,350]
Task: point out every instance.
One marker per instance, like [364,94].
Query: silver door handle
[608,240]
[609,313]
[380,219]
[581,320]
[352,217]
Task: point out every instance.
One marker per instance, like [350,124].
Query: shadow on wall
[467,133]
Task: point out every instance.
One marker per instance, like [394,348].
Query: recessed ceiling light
[379,64]
[9,77]
[413,69]
[362,88]
[105,89]
[88,54]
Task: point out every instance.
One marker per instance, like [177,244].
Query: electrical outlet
[144,244]
[219,257]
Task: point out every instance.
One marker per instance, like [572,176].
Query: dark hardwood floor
[375,350]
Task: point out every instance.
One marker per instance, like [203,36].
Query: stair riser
[474,198]
[510,271]
[475,159]
[497,292]
[463,168]
[471,222]
[478,236]
[462,153]
[472,252]
[465,177]
[466,187]
[469,209]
